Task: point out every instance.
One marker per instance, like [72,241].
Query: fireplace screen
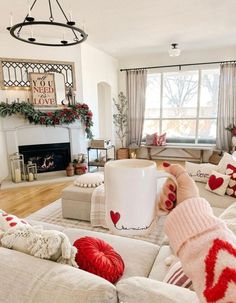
[48,157]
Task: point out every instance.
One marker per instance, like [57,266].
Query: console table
[97,163]
[187,148]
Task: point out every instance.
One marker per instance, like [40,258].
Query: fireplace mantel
[18,131]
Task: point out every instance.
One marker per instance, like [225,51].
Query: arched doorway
[105,111]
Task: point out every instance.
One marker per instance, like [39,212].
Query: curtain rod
[177,65]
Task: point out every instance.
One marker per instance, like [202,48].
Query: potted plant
[232,129]
[80,164]
[120,120]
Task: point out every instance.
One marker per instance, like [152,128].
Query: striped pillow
[176,276]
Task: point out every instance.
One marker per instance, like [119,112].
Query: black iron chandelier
[76,34]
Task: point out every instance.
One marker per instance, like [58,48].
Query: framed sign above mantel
[15,73]
[43,89]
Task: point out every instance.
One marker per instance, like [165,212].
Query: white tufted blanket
[45,244]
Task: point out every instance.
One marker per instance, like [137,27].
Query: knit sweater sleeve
[206,248]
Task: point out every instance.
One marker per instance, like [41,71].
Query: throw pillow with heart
[231,171]
[159,140]
[218,183]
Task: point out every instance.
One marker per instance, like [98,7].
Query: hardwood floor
[26,200]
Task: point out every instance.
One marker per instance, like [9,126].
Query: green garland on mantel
[67,115]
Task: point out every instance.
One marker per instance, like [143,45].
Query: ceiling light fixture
[174,51]
[76,34]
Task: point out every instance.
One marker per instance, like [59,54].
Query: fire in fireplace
[48,157]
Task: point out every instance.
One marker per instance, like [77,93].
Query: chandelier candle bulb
[76,36]
[31,32]
[29,10]
[70,16]
[11,20]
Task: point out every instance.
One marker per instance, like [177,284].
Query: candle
[11,20]
[31,32]
[29,10]
[31,177]
[17,175]
[70,16]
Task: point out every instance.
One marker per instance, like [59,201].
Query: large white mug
[131,194]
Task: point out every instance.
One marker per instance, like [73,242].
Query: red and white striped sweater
[206,248]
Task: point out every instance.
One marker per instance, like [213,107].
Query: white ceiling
[125,27]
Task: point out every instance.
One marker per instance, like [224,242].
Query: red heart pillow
[231,171]
[217,183]
[99,258]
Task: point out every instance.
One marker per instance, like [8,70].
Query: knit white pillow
[89,180]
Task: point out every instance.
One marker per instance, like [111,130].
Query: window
[183,104]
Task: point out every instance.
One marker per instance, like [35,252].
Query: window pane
[152,108]
[180,94]
[179,130]
[150,127]
[207,131]
[209,93]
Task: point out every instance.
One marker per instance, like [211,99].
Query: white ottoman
[76,202]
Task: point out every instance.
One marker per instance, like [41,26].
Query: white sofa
[218,203]
[26,279]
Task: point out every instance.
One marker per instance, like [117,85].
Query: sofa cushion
[131,250]
[216,201]
[225,160]
[200,172]
[177,276]
[159,268]
[140,290]
[26,279]
[137,255]
[231,171]
[8,221]
[229,217]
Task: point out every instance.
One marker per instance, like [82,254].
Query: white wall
[97,66]
[92,66]
[12,48]
[197,56]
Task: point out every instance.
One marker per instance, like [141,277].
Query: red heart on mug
[115,217]
[215,291]
[214,182]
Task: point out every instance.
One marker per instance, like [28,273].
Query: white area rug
[52,214]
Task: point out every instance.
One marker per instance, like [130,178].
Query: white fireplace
[18,131]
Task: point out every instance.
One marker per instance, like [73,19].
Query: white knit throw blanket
[98,213]
[45,244]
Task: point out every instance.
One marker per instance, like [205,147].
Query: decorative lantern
[17,167]
[31,171]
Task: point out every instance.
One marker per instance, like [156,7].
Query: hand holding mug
[172,195]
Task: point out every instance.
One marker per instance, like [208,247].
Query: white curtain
[226,105]
[136,83]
